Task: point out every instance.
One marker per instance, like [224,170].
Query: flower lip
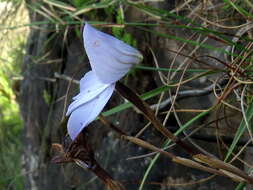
[90,87]
[87,112]
[109,57]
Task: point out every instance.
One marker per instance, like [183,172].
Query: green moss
[121,33]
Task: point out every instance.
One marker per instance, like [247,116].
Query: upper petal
[90,87]
[110,58]
[87,112]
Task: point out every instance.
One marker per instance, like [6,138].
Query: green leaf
[240,130]
[145,96]
[142,67]
[239,9]
[240,186]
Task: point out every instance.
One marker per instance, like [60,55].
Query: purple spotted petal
[90,87]
[110,58]
[87,112]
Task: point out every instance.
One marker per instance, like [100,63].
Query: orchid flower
[110,60]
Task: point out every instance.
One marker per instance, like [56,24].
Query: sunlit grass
[12,43]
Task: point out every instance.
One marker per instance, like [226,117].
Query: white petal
[110,58]
[90,87]
[88,80]
[85,114]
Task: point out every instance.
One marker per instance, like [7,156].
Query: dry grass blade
[183,161]
[176,159]
[148,113]
[60,5]
[114,185]
[147,145]
[228,168]
[224,168]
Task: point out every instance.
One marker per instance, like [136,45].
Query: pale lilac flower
[110,60]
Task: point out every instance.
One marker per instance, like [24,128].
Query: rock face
[42,103]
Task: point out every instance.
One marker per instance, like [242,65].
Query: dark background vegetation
[200,48]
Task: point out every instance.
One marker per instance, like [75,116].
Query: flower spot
[96,43]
